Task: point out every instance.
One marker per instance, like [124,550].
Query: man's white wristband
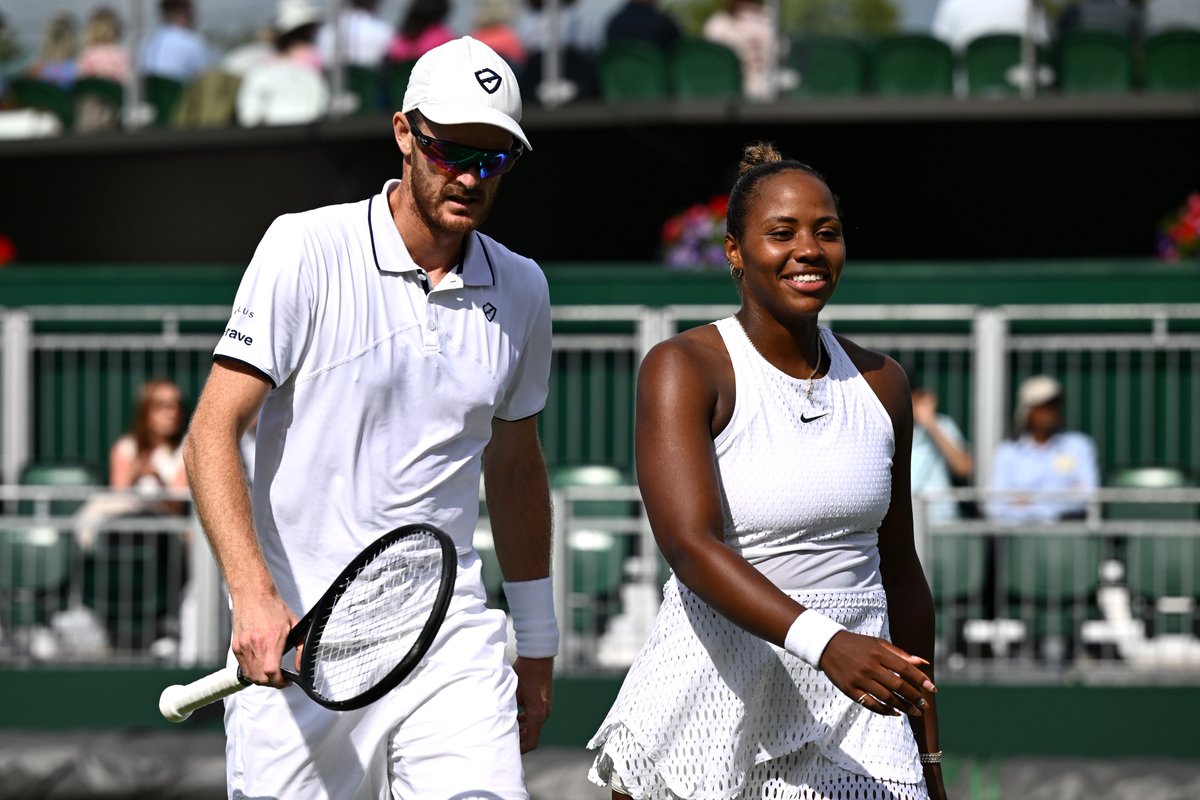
[809,635]
[531,606]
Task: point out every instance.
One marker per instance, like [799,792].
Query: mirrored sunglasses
[458,158]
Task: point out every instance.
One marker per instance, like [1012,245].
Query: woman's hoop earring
[736,272]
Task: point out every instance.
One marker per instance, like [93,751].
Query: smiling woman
[773,461]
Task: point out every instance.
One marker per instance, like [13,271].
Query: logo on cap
[489,80]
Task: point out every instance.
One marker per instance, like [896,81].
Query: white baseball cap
[293,14]
[465,81]
[1034,391]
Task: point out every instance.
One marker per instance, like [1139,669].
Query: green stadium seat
[703,69]
[988,60]
[56,474]
[597,568]
[1051,581]
[957,567]
[829,66]
[367,85]
[46,96]
[163,94]
[1162,568]
[1150,477]
[1095,61]
[35,568]
[1172,61]
[912,64]
[633,70]
[597,555]
[395,77]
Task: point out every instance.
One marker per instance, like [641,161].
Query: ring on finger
[862,701]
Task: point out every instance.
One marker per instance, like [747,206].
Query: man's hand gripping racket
[364,635]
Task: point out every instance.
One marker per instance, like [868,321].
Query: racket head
[378,619]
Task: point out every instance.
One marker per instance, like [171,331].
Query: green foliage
[866,18]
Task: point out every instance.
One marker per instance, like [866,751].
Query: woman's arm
[910,603]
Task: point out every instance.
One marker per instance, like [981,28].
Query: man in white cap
[1041,460]
[393,354]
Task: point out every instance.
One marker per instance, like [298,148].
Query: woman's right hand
[877,675]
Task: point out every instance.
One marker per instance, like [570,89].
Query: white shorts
[449,732]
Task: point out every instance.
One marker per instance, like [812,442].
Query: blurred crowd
[79,75]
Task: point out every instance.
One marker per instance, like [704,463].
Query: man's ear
[401,130]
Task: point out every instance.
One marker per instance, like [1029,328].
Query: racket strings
[378,618]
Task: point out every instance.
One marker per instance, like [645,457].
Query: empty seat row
[910,64]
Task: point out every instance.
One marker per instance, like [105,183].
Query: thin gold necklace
[808,392]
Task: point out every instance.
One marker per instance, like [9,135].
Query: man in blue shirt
[174,49]
[1041,459]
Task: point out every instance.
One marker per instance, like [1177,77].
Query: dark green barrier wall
[984,721]
[983,283]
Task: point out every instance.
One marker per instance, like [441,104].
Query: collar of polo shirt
[391,255]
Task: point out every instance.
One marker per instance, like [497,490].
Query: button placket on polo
[431,331]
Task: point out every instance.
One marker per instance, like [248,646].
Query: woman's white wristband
[809,634]
[531,606]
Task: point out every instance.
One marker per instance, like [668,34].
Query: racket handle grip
[177,702]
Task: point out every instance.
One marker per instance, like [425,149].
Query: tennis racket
[364,636]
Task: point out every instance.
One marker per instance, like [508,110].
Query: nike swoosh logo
[813,419]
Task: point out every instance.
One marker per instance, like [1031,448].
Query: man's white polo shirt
[384,392]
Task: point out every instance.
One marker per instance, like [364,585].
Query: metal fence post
[16,389]
[990,334]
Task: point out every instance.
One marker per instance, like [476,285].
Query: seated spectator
[103,55]
[258,49]
[573,32]
[143,463]
[363,36]
[1164,15]
[422,29]
[55,61]
[290,88]
[1042,457]
[748,28]
[174,49]
[493,27]
[940,457]
[958,22]
[642,20]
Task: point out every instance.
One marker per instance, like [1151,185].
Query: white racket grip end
[177,702]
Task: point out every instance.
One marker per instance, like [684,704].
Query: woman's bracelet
[931,758]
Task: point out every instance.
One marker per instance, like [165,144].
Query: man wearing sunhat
[1044,472]
[393,354]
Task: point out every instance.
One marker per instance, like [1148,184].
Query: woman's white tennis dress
[711,712]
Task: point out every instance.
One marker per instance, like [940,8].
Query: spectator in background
[55,61]
[642,20]
[1042,457]
[143,463]
[748,28]
[174,49]
[422,29]
[103,55]
[940,457]
[150,455]
[1162,15]
[533,26]
[363,36]
[1112,16]
[493,27]
[957,22]
[290,88]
